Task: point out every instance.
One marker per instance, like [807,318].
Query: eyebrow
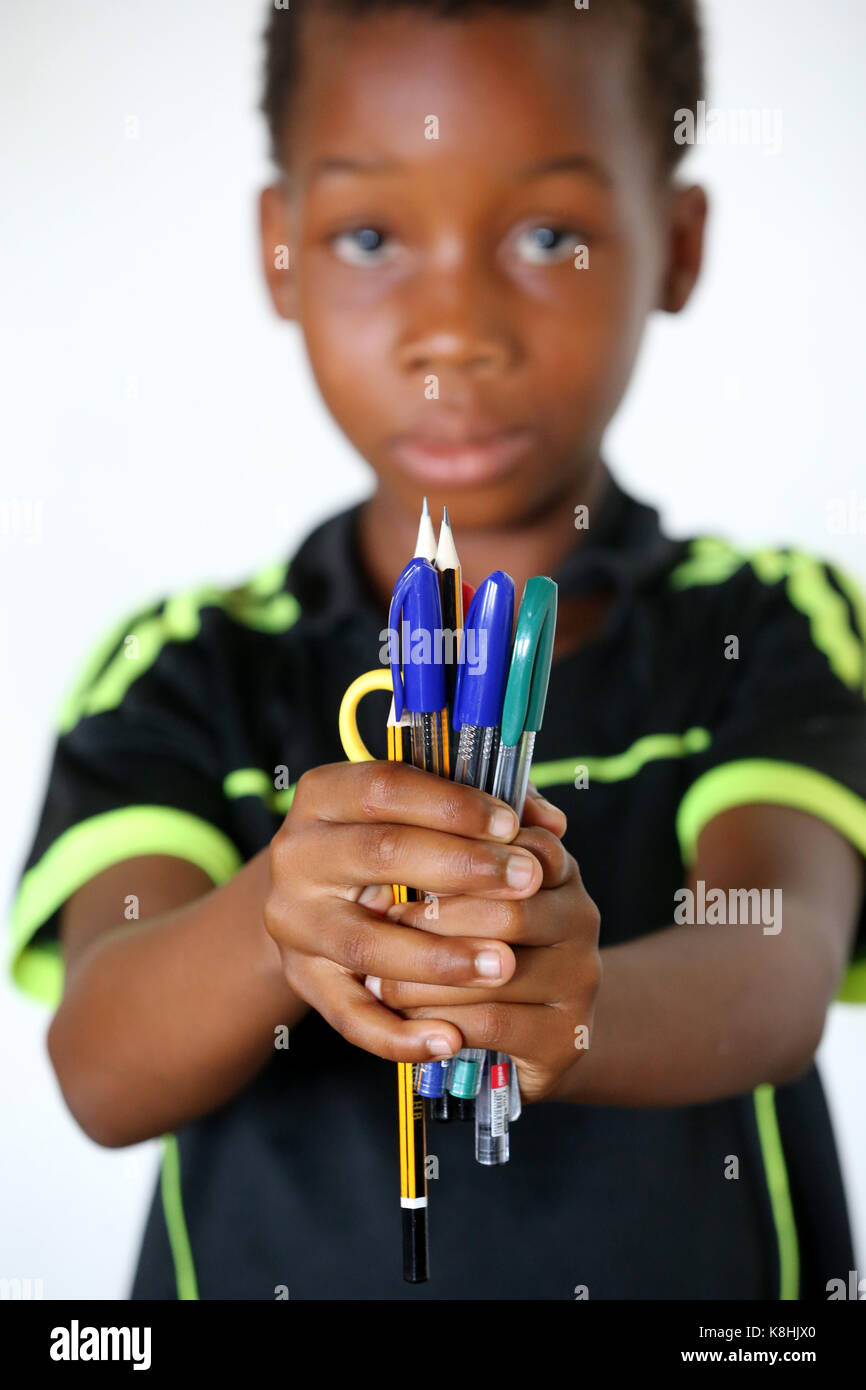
[566,164]
[558,164]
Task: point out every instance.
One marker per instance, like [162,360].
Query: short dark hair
[670,53]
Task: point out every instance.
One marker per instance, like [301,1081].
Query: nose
[456,319]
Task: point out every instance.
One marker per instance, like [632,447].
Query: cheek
[586,344]
[348,350]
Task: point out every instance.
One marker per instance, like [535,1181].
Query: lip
[470,458]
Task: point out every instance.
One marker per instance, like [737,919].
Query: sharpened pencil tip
[446,551]
[426,542]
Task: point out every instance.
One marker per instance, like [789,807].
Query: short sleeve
[792,730]
[135,770]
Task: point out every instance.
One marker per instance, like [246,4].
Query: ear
[687,220]
[278,249]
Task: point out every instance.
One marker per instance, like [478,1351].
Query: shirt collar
[623,547]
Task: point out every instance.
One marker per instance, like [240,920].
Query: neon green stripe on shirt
[87,849]
[752,781]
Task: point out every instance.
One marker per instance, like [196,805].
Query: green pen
[522,713]
[526,691]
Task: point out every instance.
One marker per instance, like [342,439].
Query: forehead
[504,88]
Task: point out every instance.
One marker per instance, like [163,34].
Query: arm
[695,1013]
[165,1018]
[675,1017]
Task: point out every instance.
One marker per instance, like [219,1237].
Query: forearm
[696,1013]
[164,1019]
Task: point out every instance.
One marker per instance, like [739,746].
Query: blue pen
[522,713]
[419,688]
[419,680]
[481,676]
[480,691]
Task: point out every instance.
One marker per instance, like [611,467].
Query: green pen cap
[531,657]
[464,1082]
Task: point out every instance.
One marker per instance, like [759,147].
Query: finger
[556,863]
[521,1030]
[540,976]
[358,1016]
[537,810]
[367,945]
[400,794]
[383,853]
[536,921]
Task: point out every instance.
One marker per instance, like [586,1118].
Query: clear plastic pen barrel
[471,767]
[510,781]
[474,750]
[512,771]
[429,748]
[491,1110]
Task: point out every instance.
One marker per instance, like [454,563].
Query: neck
[387,534]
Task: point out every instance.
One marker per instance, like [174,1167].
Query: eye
[541,245]
[361,246]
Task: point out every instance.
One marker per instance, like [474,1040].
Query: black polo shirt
[185,734]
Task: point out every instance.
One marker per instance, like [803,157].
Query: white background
[166,424]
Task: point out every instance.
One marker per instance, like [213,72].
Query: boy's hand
[542,1015]
[352,831]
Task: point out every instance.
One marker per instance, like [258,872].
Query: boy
[480,212]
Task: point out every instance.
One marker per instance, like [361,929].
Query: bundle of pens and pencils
[458,675]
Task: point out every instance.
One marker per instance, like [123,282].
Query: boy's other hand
[542,1014]
[351,832]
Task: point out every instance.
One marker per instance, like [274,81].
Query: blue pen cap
[481,678]
[431,1079]
[416,613]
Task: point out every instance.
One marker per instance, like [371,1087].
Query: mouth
[477,458]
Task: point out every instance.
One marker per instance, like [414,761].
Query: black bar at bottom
[415,1266]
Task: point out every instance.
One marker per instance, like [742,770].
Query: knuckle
[272,915]
[474,862]
[446,962]
[515,918]
[377,789]
[307,786]
[491,1024]
[593,972]
[560,857]
[283,853]
[356,951]
[380,846]
[591,918]
[451,805]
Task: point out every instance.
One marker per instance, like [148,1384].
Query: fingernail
[439,1048]
[502,823]
[374,985]
[374,896]
[488,965]
[518,871]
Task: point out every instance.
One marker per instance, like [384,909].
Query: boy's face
[460,338]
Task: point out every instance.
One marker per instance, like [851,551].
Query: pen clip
[531,658]
[480,686]
[416,604]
